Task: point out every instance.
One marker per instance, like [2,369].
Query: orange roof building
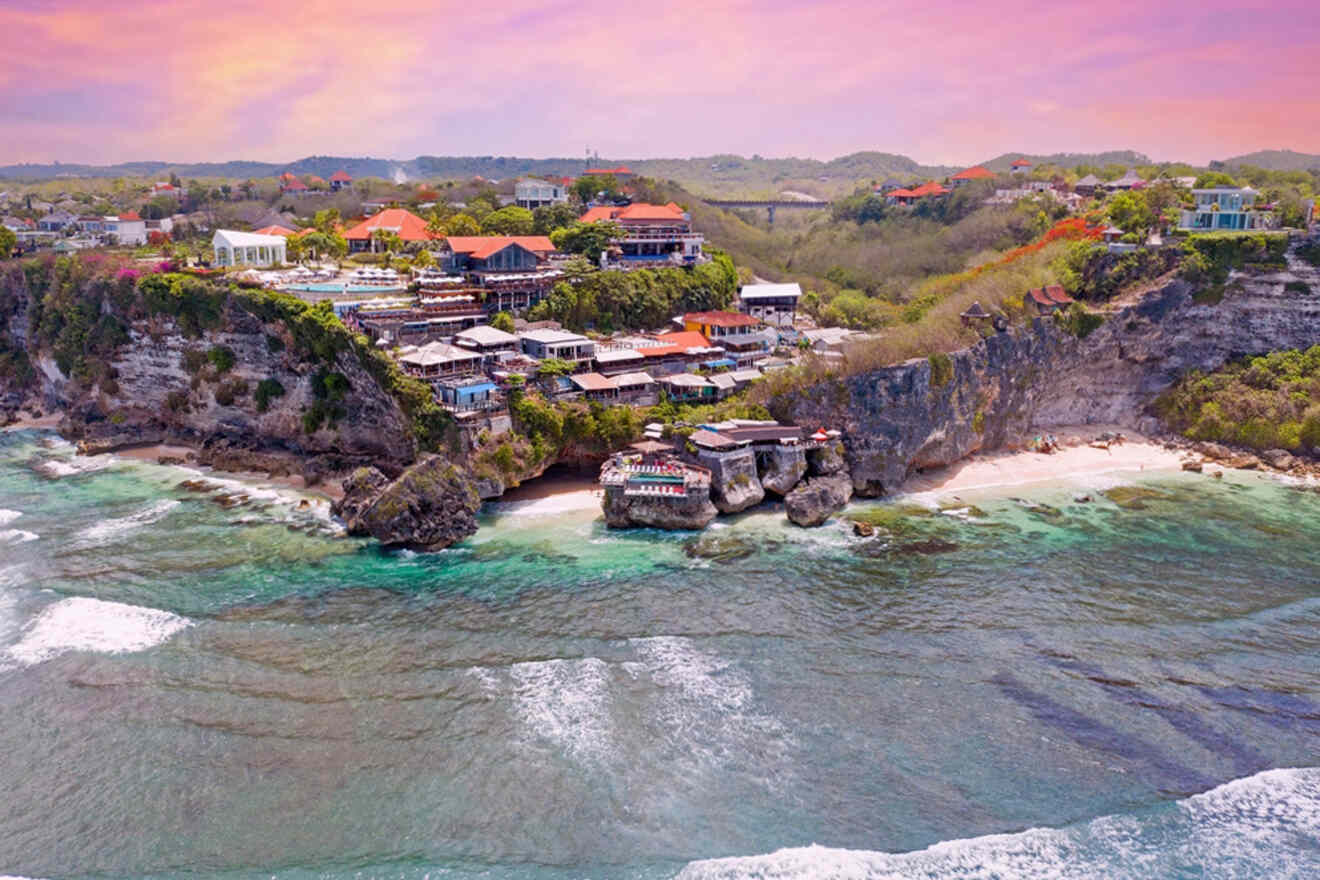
[654,233]
[622,172]
[276,230]
[976,172]
[908,196]
[405,224]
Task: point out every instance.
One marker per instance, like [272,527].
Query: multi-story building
[775,304]
[532,193]
[543,344]
[651,233]
[126,229]
[510,270]
[1225,207]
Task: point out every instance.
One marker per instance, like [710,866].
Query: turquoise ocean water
[210,680]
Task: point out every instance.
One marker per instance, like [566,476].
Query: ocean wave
[83,624]
[8,516]
[110,528]
[56,468]
[17,536]
[1265,826]
[567,703]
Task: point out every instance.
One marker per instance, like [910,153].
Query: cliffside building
[775,304]
[1225,207]
[651,233]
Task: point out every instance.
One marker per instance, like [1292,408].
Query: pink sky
[944,81]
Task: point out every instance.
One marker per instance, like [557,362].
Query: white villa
[1225,207]
[532,193]
[234,248]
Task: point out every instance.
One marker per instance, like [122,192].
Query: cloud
[943,80]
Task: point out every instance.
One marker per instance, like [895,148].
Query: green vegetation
[645,298]
[503,321]
[1210,257]
[587,239]
[221,357]
[1089,271]
[941,369]
[1078,320]
[267,390]
[1269,402]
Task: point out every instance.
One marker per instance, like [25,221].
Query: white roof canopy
[234,238]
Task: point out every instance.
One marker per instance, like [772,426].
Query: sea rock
[782,468]
[863,529]
[695,511]
[817,499]
[719,547]
[1193,466]
[1243,462]
[734,483]
[1213,451]
[828,459]
[431,505]
[1279,459]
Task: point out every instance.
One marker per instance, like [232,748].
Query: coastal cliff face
[896,420]
[734,482]
[624,512]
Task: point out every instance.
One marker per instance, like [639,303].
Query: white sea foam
[1261,826]
[83,624]
[17,536]
[78,464]
[567,703]
[8,516]
[107,529]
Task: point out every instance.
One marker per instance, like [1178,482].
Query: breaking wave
[83,624]
[1265,826]
[109,528]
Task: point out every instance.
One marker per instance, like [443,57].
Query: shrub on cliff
[1269,402]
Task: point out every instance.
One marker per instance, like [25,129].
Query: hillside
[1276,160]
[1126,158]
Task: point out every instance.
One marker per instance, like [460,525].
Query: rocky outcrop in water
[781,468]
[897,421]
[734,482]
[430,506]
[816,499]
[695,511]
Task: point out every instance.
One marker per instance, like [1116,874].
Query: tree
[463,224]
[1214,178]
[423,260]
[483,203]
[295,246]
[587,239]
[1162,199]
[555,367]
[548,218]
[326,220]
[590,186]
[502,321]
[8,241]
[385,240]
[1129,212]
[436,223]
[508,221]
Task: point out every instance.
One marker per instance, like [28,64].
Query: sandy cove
[1077,458]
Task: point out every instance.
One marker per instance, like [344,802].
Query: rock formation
[430,506]
[734,482]
[816,499]
[782,468]
[633,511]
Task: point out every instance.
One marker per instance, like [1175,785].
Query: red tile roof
[276,230]
[294,184]
[976,172]
[1056,293]
[340,176]
[683,339]
[1021,163]
[930,188]
[638,211]
[622,169]
[315,179]
[407,225]
[129,215]
[720,319]
[482,246]
[901,194]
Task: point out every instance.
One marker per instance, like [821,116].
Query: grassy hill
[1126,158]
[1276,160]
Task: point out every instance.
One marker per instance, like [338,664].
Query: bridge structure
[771,205]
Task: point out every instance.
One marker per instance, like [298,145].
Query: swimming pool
[340,287]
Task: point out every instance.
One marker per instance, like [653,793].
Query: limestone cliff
[624,511]
[1005,388]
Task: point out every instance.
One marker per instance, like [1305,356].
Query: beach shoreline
[1076,458]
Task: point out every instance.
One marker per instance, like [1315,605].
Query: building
[510,270]
[1088,185]
[126,229]
[651,233]
[166,189]
[775,304]
[1021,166]
[1130,180]
[437,360]
[469,393]
[543,344]
[234,249]
[1225,207]
[687,388]
[56,221]
[531,193]
[741,336]
[909,196]
[290,185]
[282,231]
[976,172]
[489,341]
[594,386]
[410,228]
[637,388]
[339,180]
[1048,299]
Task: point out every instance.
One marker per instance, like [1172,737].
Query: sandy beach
[1003,469]
[551,494]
